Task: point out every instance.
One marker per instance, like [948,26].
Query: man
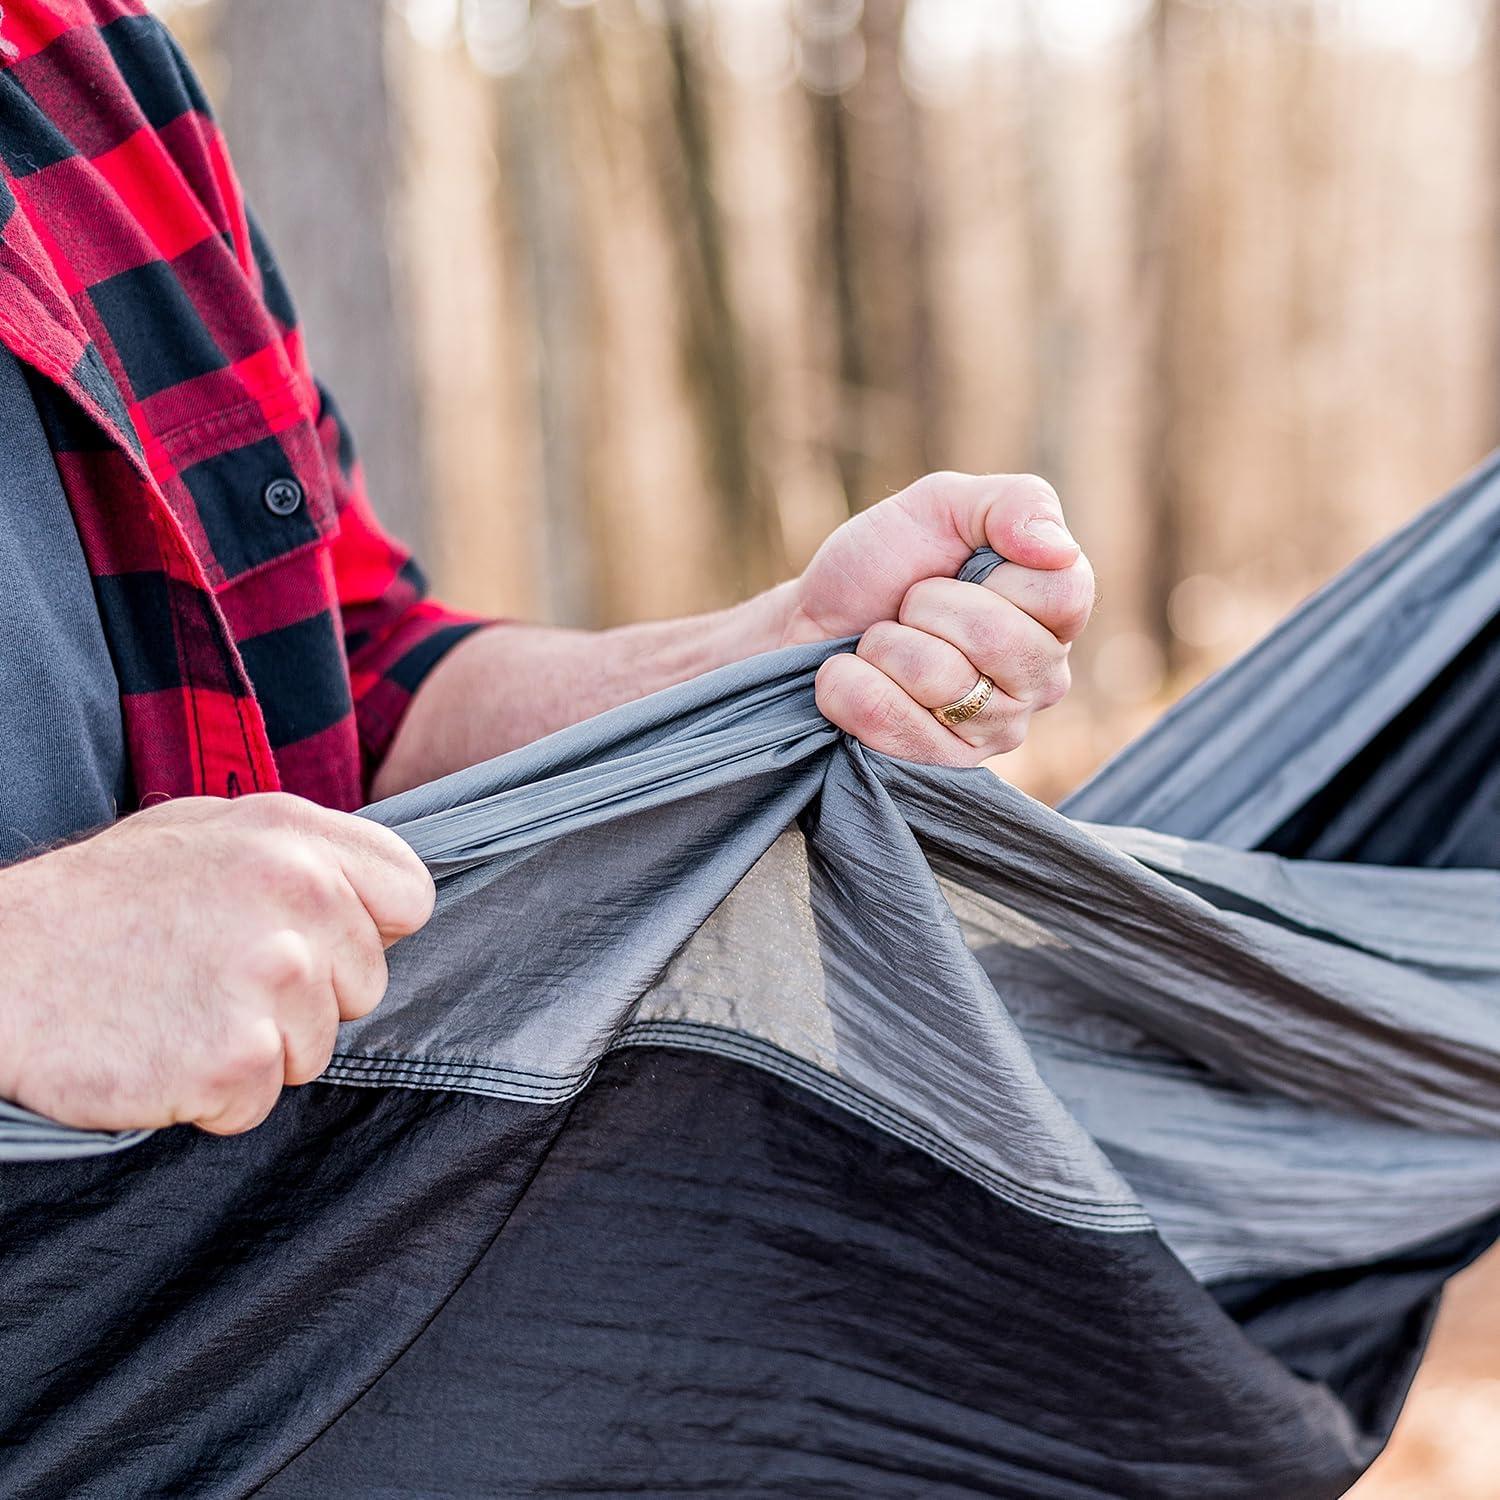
[202,606]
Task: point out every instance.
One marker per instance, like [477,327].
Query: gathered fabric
[759,1114]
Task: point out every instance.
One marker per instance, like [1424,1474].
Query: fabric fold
[799,1112]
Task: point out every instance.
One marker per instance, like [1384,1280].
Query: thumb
[1023,522]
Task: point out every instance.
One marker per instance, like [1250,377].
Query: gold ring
[967,706]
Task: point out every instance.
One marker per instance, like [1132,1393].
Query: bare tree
[1051,350]
[537,162]
[713,347]
[901,429]
[1158,236]
[836,252]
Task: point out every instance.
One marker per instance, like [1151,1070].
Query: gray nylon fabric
[1119,1015]
[25,1136]
[1239,754]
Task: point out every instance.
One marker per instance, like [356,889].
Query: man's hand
[187,963]
[888,576]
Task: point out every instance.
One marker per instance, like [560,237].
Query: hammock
[761,1115]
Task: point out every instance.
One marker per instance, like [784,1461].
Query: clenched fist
[188,962]
[887,575]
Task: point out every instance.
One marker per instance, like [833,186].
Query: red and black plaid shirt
[265,631]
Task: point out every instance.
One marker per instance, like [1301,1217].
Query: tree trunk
[1157,235]
[536,158]
[1051,330]
[901,419]
[307,116]
[714,352]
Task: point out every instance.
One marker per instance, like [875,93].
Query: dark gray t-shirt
[62,745]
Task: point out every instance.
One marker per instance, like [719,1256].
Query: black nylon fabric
[1426,790]
[1359,1330]
[719,1284]
[183,1318]
[695,1279]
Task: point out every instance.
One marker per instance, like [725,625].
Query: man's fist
[188,962]
[888,576]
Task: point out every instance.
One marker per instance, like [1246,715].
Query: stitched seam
[462,1065]
[694,1036]
[485,1079]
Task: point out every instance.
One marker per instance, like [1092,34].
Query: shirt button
[283,497]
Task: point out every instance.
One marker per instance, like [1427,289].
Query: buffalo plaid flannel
[265,631]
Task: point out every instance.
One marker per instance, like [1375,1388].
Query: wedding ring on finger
[964,709]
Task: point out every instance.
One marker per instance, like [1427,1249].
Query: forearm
[510,684]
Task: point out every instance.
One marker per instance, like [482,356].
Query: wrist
[16,922]
[765,622]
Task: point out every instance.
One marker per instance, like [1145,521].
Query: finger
[1061,599]
[331,969]
[936,674]
[388,877]
[308,1043]
[922,665]
[1024,524]
[247,1110]
[306,1002]
[293,972]
[390,881]
[360,972]
[246,1086]
[1019,515]
[864,702]
[1022,658]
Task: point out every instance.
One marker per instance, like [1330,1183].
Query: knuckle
[880,641]
[300,874]
[284,962]
[1034,489]
[407,881]
[257,1052]
[849,701]
[1036,667]
[896,727]
[894,650]
[919,601]
[251,1063]
[933,494]
[1006,734]
[938,482]
[990,634]
[878,718]
[1054,687]
[383,843]
[1072,604]
[244,1112]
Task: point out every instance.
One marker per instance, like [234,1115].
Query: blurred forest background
[631,301]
